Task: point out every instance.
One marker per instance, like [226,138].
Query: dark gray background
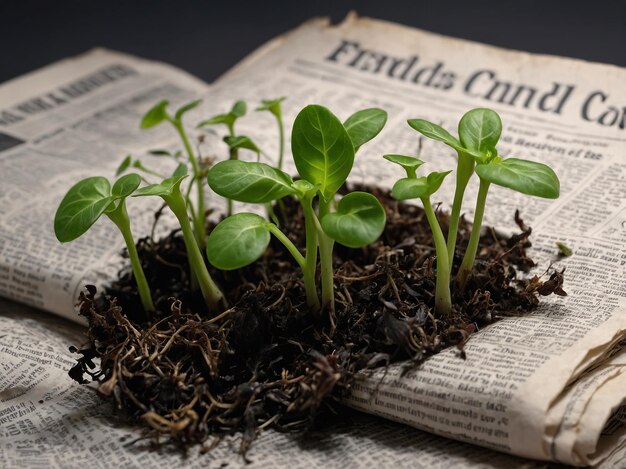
[206,38]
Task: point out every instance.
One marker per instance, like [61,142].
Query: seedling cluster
[479,132]
[323,150]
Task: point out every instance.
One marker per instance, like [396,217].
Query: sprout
[413,187]
[323,152]
[156,116]
[274,107]
[479,133]
[169,191]
[86,202]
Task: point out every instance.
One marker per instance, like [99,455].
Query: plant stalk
[233,155]
[311,254]
[443,301]
[326,262]
[472,246]
[281,137]
[464,170]
[199,217]
[120,217]
[210,291]
[293,250]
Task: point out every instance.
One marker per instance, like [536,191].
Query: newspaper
[550,386]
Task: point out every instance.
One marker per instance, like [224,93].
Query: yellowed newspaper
[549,386]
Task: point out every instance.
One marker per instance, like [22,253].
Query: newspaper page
[549,386]
[74,119]
[47,420]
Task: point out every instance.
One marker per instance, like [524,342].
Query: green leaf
[159,152]
[81,207]
[527,177]
[416,188]
[238,241]
[241,141]
[480,129]
[239,109]
[250,182]
[155,116]
[358,221]
[409,163]
[163,189]
[410,188]
[322,149]
[434,131]
[126,185]
[364,125]
[564,249]
[187,107]
[124,165]
[227,119]
[271,105]
[180,171]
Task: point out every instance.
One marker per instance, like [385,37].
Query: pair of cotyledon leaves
[90,198]
[479,132]
[87,200]
[323,151]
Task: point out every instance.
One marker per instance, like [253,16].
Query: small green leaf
[358,221]
[155,116]
[159,152]
[322,149]
[124,165]
[271,105]
[238,241]
[416,188]
[364,125]
[527,177]
[434,180]
[227,119]
[564,249]
[180,171]
[241,141]
[435,132]
[250,182]
[126,185]
[409,163]
[81,207]
[410,188]
[239,109]
[480,129]
[163,189]
[187,107]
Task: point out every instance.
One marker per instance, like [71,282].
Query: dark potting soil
[268,362]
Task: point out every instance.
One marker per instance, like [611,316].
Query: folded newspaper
[550,386]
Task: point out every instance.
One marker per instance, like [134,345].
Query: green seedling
[479,133]
[156,116]
[466,156]
[86,202]
[234,142]
[238,110]
[169,191]
[129,162]
[413,187]
[275,108]
[323,152]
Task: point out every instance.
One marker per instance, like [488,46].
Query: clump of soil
[268,361]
